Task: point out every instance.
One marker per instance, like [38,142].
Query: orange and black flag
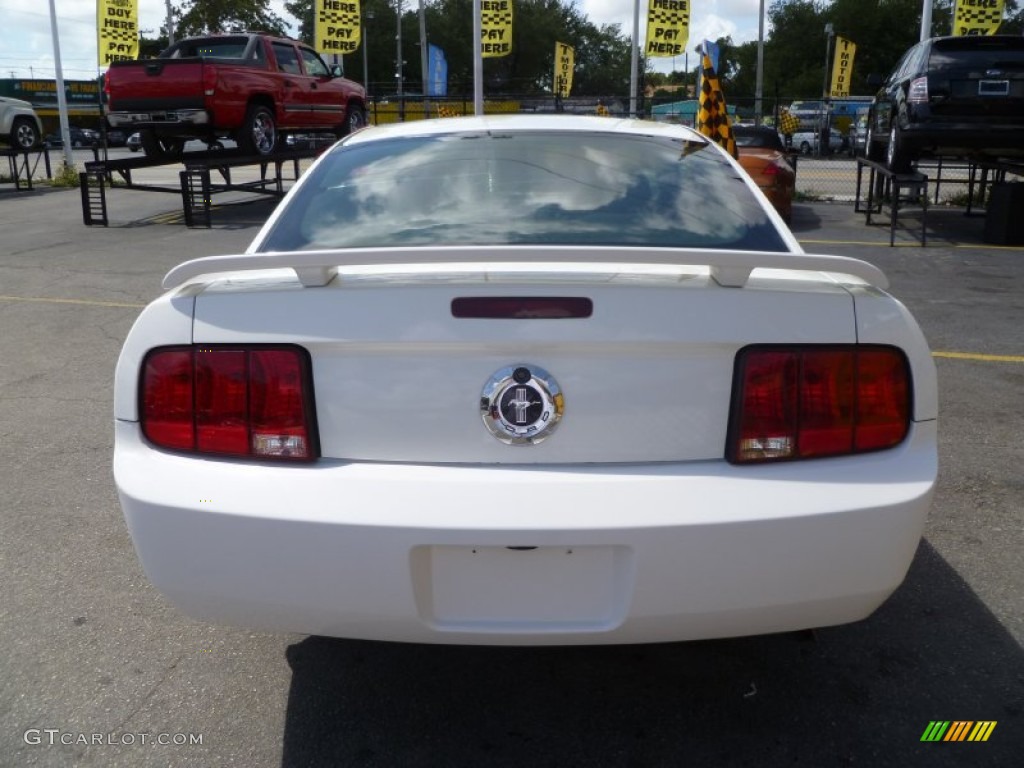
[713,118]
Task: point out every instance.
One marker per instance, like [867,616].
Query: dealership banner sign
[338,26]
[842,66]
[495,28]
[668,27]
[565,62]
[977,17]
[117,30]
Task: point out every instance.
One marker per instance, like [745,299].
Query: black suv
[951,96]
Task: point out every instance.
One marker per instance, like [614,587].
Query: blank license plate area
[503,589]
[993,87]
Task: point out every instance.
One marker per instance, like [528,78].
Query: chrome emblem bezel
[521,404]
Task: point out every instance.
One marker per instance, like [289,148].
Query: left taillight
[805,402]
[917,93]
[240,401]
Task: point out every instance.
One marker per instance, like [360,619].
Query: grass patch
[807,196]
[65,176]
[961,199]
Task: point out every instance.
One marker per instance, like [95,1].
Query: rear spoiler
[728,268]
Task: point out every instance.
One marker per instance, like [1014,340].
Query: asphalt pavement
[98,670]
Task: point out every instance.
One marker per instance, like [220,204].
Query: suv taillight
[806,402]
[918,91]
[250,401]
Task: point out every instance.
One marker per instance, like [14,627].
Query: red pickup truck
[252,88]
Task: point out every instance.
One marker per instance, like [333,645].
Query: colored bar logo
[958,730]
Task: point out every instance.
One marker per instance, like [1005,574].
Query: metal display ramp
[205,174]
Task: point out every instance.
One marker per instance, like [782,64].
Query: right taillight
[806,402]
[252,401]
[917,93]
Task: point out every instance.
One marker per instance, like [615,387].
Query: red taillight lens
[167,400]
[771,169]
[231,401]
[917,93]
[209,80]
[808,402]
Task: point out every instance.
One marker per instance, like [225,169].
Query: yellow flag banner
[565,61]
[842,66]
[713,116]
[977,17]
[668,27]
[117,30]
[338,26]
[495,28]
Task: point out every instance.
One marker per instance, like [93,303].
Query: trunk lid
[646,377]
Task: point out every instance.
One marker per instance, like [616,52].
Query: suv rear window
[977,53]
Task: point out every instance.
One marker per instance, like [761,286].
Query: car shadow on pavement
[862,694]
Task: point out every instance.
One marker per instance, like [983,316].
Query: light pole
[926,20]
[823,124]
[399,74]
[759,76]
[367,16]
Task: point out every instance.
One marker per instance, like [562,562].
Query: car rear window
[208,48]
[516,188]
[978,53]
[766,138]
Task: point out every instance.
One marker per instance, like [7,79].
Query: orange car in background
[763,156]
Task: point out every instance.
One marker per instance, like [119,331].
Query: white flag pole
[478,62]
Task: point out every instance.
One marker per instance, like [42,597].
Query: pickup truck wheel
[24,134]
[259,131]
[161,149]
[355,118]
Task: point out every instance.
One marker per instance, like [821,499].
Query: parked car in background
[809,113]
[534,380]
[80,137]
[951,96]
[19,124]
[857,138]
[116,137]
[763,155]
[806,142]
[134,142]
[252,88]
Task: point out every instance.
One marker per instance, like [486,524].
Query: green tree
[200,17]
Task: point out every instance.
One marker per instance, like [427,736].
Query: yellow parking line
[86,302]
[984,358]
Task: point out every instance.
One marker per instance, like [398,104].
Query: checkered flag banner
[788,122]
[117,30]
[338,26]
[495,28]
[713,117]
[977,17]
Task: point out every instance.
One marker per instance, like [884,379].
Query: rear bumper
[619,554]
[158,119]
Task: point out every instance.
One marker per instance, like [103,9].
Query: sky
[26,43]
